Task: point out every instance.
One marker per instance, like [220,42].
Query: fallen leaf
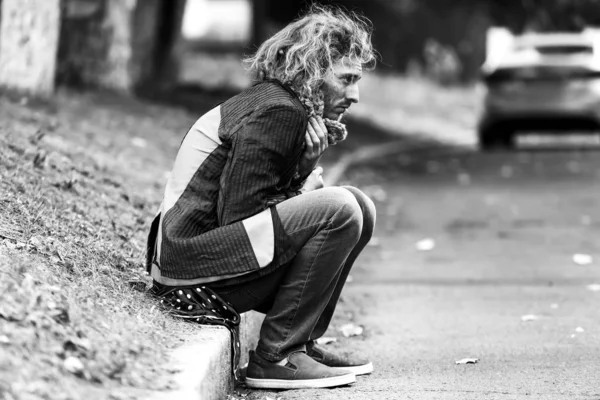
[582,259]
[325,340]
[529,317]
[594,287]
[467,361]
[73,365]
[139,142]
[426,244]
[351,330]
[36,243]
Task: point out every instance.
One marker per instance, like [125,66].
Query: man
[241,227]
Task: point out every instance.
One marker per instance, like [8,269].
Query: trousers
[329,228]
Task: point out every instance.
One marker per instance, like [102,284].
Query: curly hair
[304,52]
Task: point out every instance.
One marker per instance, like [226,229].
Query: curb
[203,365]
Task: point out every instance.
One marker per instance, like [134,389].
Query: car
[539,83]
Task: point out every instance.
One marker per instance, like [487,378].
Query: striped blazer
[218,219]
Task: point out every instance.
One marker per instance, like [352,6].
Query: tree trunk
[168,51]
[29,32]
[119,22]
[117,44]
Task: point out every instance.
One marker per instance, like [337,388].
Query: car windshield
[541,73]
[564,49]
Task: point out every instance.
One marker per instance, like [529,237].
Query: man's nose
[352,93]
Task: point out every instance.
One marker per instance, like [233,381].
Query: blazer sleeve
[262,152]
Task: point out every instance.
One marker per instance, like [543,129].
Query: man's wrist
[306,167]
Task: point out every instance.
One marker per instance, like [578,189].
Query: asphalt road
[501,231]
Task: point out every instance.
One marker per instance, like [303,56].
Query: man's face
[340,88]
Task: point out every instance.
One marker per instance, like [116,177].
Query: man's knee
[367,208]
[349,211]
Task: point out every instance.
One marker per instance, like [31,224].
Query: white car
[539,82]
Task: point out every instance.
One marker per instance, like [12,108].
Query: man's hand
[316,144]
[314,181]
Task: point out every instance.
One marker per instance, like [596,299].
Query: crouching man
[245,223]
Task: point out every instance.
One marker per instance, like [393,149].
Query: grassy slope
[76,197]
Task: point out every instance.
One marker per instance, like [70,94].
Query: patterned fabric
[336,131]
[218,218]
[201,305]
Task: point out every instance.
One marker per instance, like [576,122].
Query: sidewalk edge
[202,366]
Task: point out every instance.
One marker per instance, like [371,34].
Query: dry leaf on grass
[325,340]
[582,259]
[529,318]
[139,142]
[73,365]
[351,329]
[467,361]
[426,244]
[594,287]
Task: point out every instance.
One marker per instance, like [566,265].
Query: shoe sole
[357,370]
[301,383]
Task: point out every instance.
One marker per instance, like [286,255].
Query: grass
[80,180]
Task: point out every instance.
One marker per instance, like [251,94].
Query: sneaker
[347,362]
[300,372]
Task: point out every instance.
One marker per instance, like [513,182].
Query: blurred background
[476,136]
[431,51]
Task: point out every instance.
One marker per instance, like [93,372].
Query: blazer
[218,218]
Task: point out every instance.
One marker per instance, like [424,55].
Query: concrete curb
[202,366]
